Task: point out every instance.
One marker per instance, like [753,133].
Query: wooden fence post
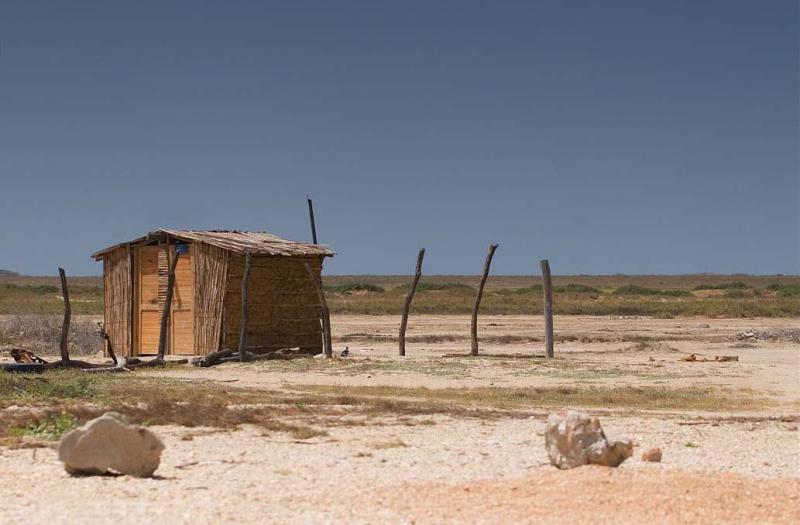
[63,347]
[478,296]
[245,307]
[162,333]
[407,304]
[327,344]
[547,287]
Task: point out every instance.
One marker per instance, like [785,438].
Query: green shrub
[35,289]
[575,288]
[734,285]
[734,294]
[439,287]
[536,288]
[632,289]
[49,429]
[354,287]
[785,290]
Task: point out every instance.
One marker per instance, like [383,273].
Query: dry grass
[644,398]
[666,296]
[42,334]
[42,407]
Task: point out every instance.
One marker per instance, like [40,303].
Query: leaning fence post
[245,307]
[484,276]
[67,316]
[327,344]
[547,287]
[162,332]
[407,303]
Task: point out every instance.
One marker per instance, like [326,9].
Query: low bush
[441,287]
[345,288]
[733,285]
[632,289]
[785,290]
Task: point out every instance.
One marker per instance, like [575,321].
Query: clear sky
[608,136]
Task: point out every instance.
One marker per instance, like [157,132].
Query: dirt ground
[718,466]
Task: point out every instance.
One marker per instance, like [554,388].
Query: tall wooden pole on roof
[547,288]
[63,347]
[479,295]
[407,303]
[245,308]
[311,218]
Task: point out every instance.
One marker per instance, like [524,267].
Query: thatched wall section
[210,269]
[118,299]
[284,307]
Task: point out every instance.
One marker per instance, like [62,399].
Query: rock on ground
[108,444]
[573,439]
[653,455]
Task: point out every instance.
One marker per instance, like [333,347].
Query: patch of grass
[732,285]
[576,288]
[392,443]
[734,294]
[49,429]
[443,287]
[632,289]
[785,290]
[346,288]
[650,398]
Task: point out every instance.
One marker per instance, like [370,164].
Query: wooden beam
[162,334]
[479,295]
[327,342]
[67,316]
[311,217]
[547,287]
[407,303]
[245,308]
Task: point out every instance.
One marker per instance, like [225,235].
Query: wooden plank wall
[118,299]
[211,269]
[284,307]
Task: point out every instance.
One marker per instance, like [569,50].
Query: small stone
[108,444]
[573,439]
[652,455]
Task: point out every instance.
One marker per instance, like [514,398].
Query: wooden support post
[245,308]
[547,287]
[67,316]
[327,343]
[311,217]
[478,296]
[407,304]
[162,334]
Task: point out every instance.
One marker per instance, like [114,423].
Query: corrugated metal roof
[257,243]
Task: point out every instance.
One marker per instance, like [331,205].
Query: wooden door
[182,316]
[152,267]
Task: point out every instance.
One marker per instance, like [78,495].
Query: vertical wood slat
[211,271]
[117,310]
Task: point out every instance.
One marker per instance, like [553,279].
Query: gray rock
[108,444]
[573,439]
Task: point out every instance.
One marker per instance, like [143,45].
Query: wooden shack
[206,307]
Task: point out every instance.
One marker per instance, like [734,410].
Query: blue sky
[610,137]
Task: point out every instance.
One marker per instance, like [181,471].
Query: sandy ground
[716,469]
[607,351]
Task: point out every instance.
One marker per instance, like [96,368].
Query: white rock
[573,439]
[108,444]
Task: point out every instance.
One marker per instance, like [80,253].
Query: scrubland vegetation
[660,296]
